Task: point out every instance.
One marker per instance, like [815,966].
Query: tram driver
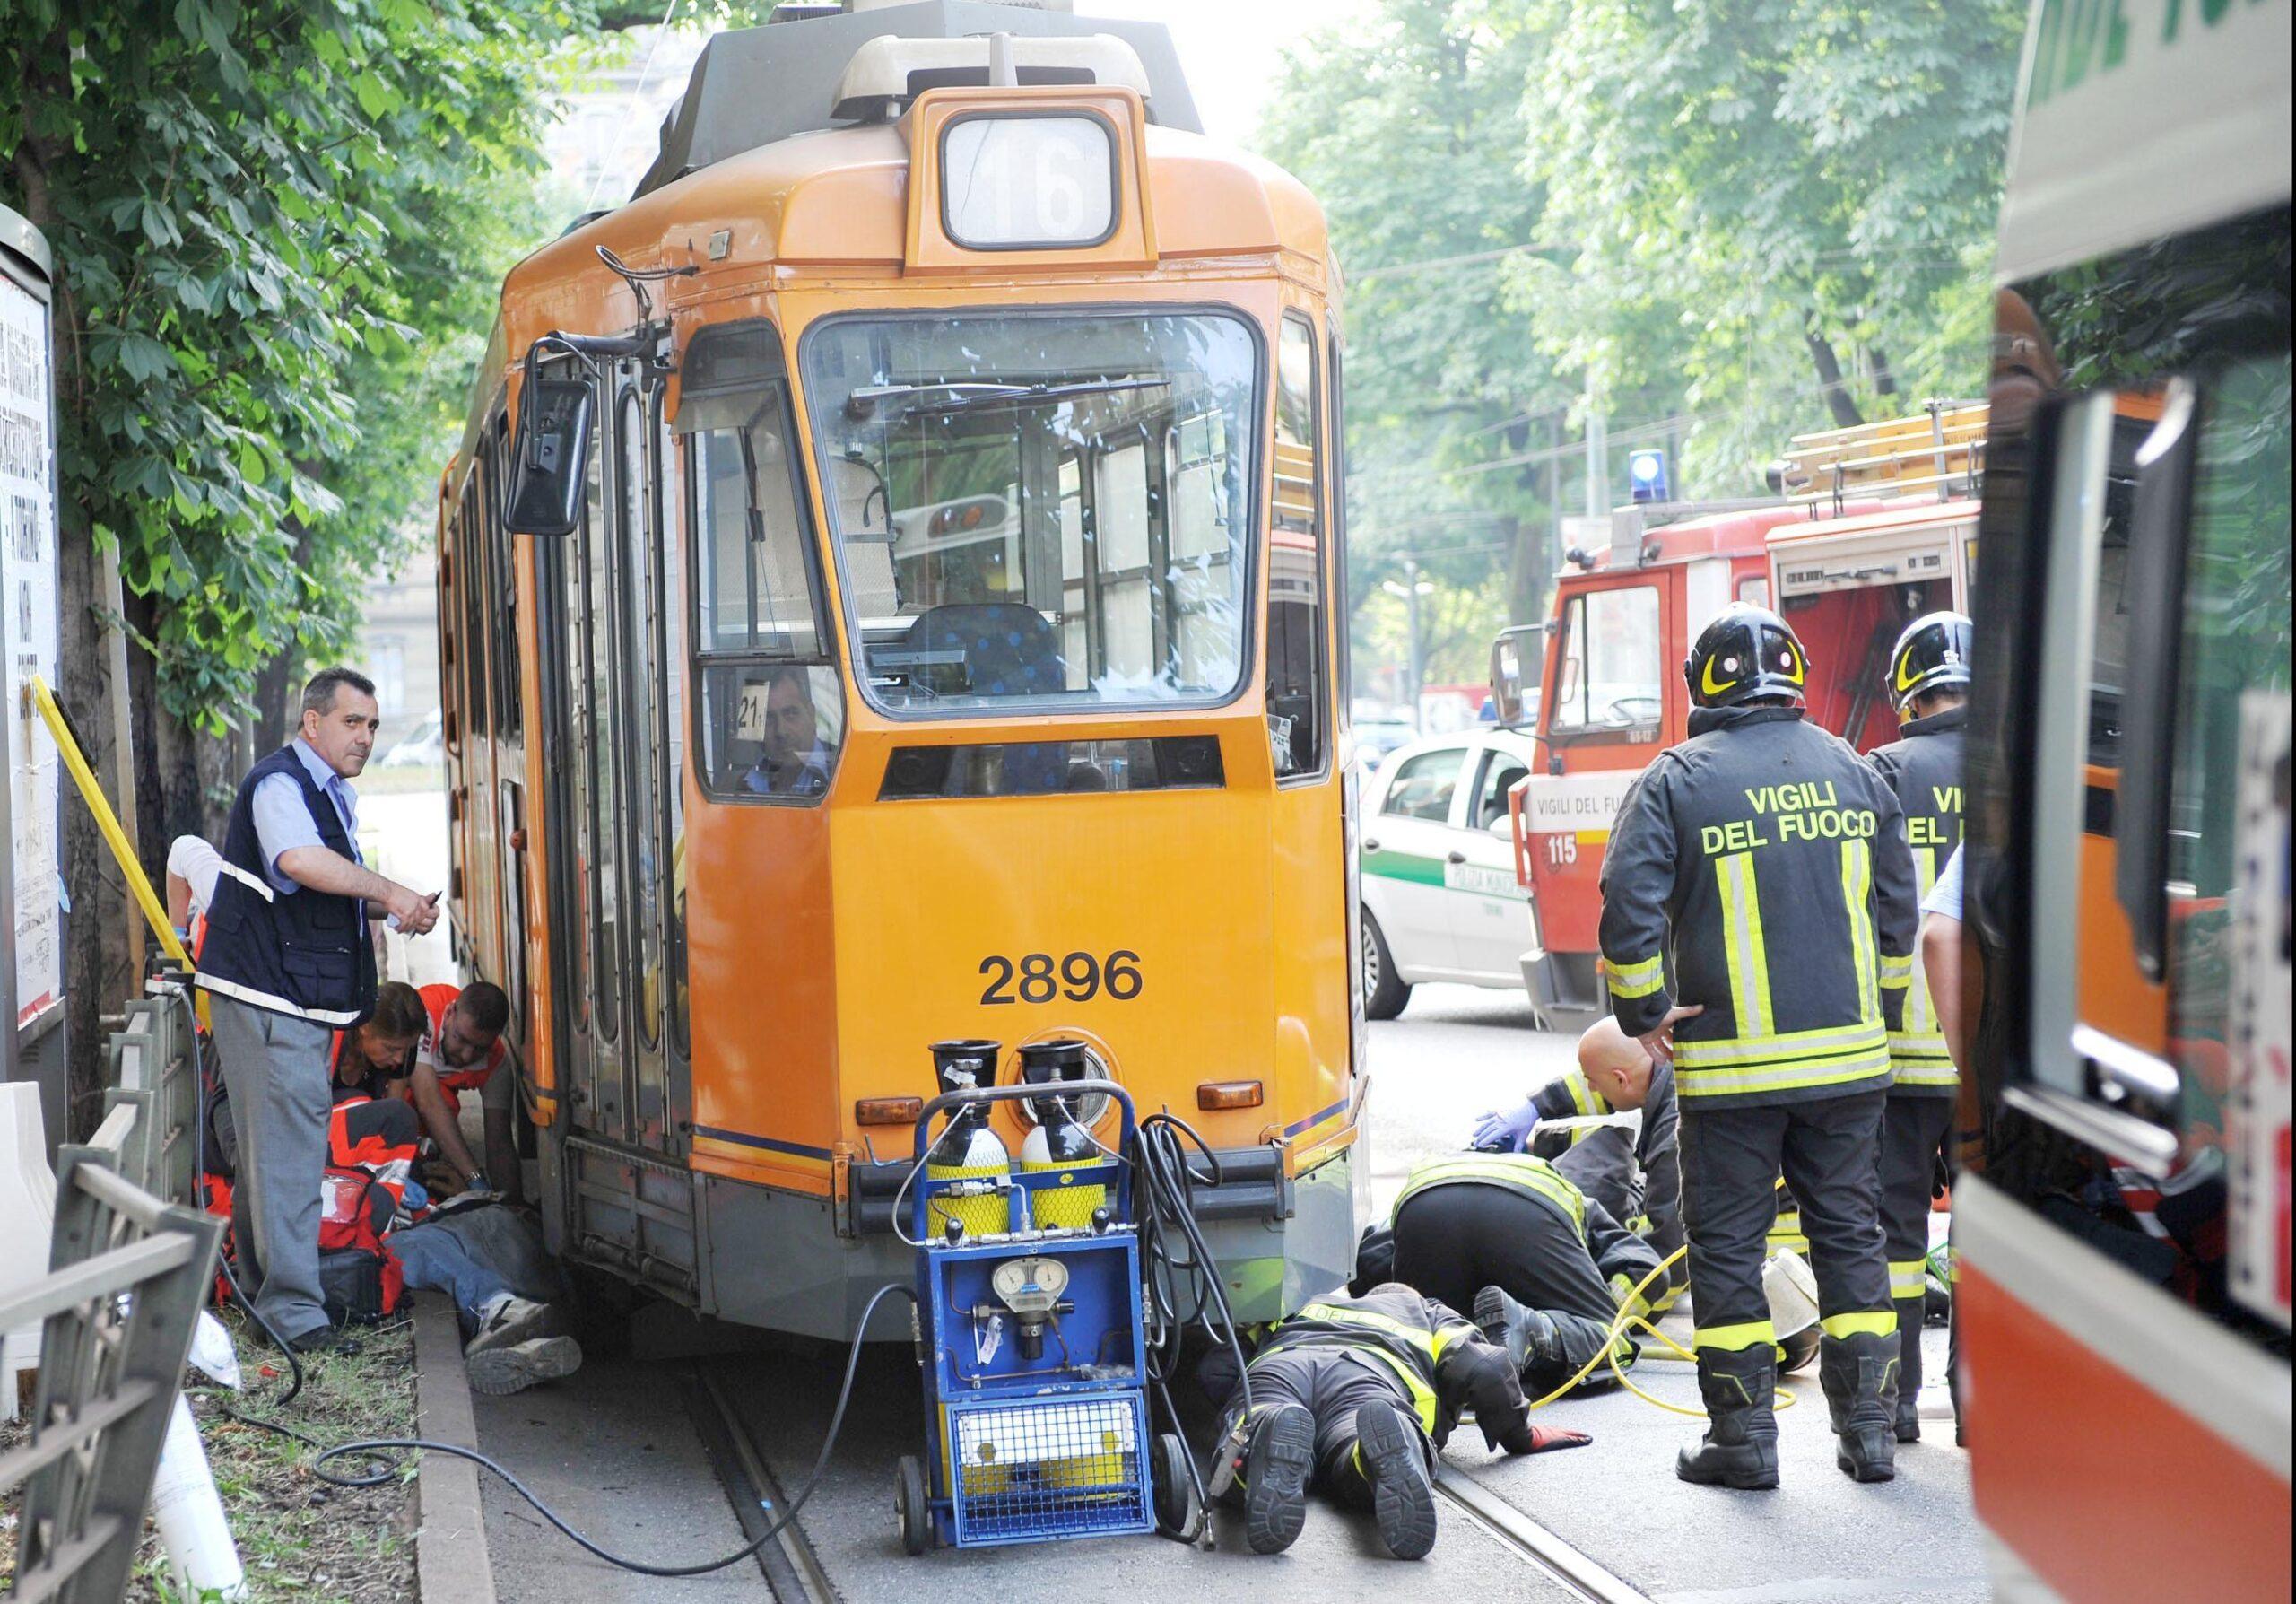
[794,761]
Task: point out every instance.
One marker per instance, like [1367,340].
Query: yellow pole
[139,886]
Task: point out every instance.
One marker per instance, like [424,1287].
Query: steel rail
[1530,1541]
[792,1569]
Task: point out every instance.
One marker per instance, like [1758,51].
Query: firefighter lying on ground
[1632,1168]
[1545,1267]
[510,1343]
[1353,1396]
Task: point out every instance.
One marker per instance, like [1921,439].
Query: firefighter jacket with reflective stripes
[1441,1359]
[1925,770]
[1767,862]
[1615,1249]
[1655,1149]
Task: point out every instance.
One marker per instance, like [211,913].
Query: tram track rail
[1585,1578]
[792,1568]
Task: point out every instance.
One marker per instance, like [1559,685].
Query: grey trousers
[275,1066]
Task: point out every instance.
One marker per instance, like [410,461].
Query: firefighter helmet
[1747,654]
[1932,654]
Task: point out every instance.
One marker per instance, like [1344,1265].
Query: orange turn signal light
[1229,1094]
[888,1110]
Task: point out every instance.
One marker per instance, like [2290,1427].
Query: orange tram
[887,596]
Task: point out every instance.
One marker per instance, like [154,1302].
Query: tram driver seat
[995,649]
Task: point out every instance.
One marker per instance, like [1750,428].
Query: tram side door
[608,783]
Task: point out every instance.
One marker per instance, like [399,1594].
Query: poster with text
[28,636]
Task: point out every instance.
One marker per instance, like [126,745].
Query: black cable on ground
[377,1447]
[1167,1209]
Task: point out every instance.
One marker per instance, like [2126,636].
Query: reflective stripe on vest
[1639,979]
[1518,1173]
[1431,1343]
[276,1004]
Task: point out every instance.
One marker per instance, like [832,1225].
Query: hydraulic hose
[1608,1354]
[378,1448]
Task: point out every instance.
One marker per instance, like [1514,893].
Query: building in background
[398,645]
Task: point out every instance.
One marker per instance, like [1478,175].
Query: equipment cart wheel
[1175,1490]
[913,1504]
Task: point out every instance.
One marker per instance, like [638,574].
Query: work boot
[1527,1334]
[1909,1409]
[1278,1455]
[1392,1457]
[505,1320]
[1740,1449]
[499,1372]
[1861,1376]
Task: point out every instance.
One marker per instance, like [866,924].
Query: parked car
[1377,738]
[1441,899]
[423,748]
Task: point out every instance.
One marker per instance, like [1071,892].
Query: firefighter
[1633,1172]
[1355,1395]
[1929,678]
[1766,863]
[1545,1267]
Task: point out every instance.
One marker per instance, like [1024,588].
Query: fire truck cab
[1874,527]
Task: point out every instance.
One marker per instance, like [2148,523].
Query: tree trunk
[1530,540]
[1886,379]
[1838,400]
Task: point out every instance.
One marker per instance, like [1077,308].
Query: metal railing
[127,1273]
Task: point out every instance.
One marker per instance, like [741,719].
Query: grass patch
[298,1539]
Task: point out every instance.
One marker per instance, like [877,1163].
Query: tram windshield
[1037,511]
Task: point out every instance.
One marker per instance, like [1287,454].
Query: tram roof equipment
[757,86]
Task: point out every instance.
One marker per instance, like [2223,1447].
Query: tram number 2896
[1080,977]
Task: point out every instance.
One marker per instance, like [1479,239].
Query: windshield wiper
[979,395]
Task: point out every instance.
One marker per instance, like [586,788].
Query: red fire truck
[1873,527]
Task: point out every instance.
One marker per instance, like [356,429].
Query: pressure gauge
[1031,1287]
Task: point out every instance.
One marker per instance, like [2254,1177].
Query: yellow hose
[1609,1352]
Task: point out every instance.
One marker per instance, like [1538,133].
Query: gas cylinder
[968,1149]
[1059,1140]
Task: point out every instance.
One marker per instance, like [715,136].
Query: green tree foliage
[1789,204]
[1408,126]
[1720,222]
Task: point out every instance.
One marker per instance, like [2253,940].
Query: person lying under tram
[1545,1267]
[1353,1396]
[510,1343]
[794,761]
[460,1050]
[1631,1169]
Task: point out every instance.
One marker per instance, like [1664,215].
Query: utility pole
[1411,590]
[1598,465]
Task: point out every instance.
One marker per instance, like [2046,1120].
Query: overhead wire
[622,124]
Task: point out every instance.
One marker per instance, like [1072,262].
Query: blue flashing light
[1646,474]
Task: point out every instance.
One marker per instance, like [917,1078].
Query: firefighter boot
[1741,1445]
[1908,1410]
[1390,1453]
[1278,1455]
[1528,1336]
[1861,1376]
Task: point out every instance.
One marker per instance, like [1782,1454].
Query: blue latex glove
[1505,1133]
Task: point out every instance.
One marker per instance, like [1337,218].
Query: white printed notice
[28,636]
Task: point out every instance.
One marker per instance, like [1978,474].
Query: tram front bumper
[1280,1241]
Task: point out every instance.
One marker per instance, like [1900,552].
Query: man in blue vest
[288,961]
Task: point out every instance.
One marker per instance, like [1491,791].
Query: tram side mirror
[1515,661]
[552,454]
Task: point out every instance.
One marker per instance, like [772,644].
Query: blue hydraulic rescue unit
[1029,1331]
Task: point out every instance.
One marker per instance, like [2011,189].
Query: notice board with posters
[33,897]
[2256,1114]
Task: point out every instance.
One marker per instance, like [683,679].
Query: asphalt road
[1454,1052]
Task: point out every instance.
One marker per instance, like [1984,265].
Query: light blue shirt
[281,822]
[1945,897]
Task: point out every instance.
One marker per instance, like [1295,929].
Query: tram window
[471,574]
[1609,669]
[1067,501]
[771,731]
[2234,649]
[509,686]
[640,676]
[604,571]
[1298,695]
[754,584]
